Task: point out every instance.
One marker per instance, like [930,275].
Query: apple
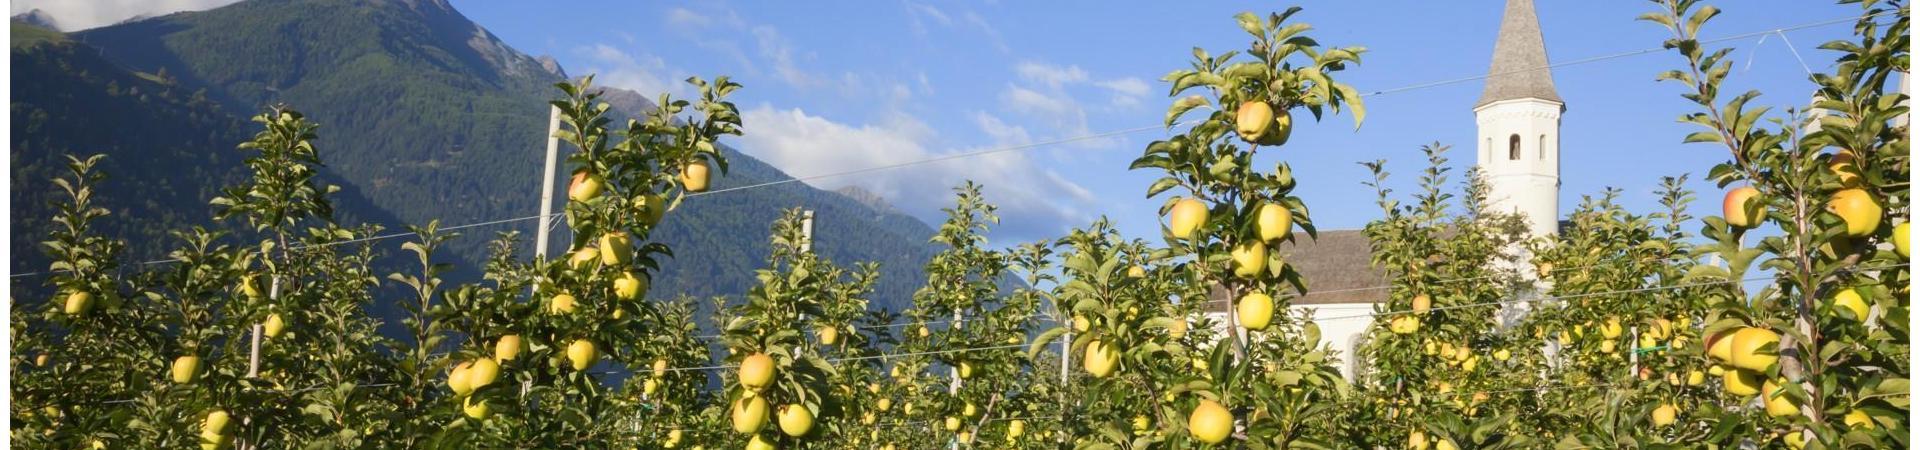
[659,367]
[1607,347]
[1101,360]
[1417,440]
[1275,222]
[1744,208]
[616,248]
[952,423]
[508,347]
[652,208]
[1900,237]
[1187,216]
[883,404]
[756,371]
[965,437]
[1850,300]
[628,286]
[215,422]
[1136,272]
[1858,419]
[1846,169]
[795,420]
[1750,348]
[828,335]
[1716,370]
[186,369]
[1612,329]
[1741,383]
[214,441]
[1256,311]
[759,443]
[966,371]
[274,325]
[1696,378]
[1210,422]
[41,360]
[1081,324]
[585,186]
[1778,403]
[78,302]
[1422,303]
[482,373]
[695,175]
[1720,346]
[1404,325]
[1177,329]
[749,414]
[583,259]
[582,354]
[1664,415]
[1444,444]
[1858,209]
[460,379]
[1796,440]
[650,386]
[250,286]
[562,304]
[476,408]
[1142,425]
[1249,259]
[969,410]
[673,438]
[1254,121]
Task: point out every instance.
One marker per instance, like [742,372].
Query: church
[1518,151]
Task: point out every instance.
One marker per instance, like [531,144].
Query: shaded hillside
[424,115]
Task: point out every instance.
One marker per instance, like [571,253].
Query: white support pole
[546,185]
[253,356]
[806,246]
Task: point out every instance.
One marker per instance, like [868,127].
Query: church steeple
[1519,67]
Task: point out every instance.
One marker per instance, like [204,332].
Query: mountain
[424,115]
[37,18]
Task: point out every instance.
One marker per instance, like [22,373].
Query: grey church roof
[1519,67]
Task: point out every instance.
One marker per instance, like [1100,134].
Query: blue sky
[833,86]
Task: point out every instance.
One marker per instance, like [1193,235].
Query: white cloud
[1126,91]
[1002,132]
[644,73]
[1034,202]
[776,48]
[74,15]
[1050,75]
[682,17]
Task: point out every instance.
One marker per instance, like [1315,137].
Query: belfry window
[1513,147]
[1543,147]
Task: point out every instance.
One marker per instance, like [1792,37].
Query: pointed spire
[1519,59]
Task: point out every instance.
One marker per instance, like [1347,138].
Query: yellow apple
[1696,378]
[1177,329]
[1249,259]
[1900,237]
[1417,440]
[1142,425]
[1850,300]
[1778,403]
[659,367]
[1664,415]
[582,354]
[1720,346]
[1752,348]
[482,373]
[1608,347]
[1422,303]
[649,387]
[952,423]
[186,369]
[1612,329]
[1254,121]
[274,325]
[1716,370]
[78,302]
[673,437]
[749,414]
[214,441]
[215,422]
[583,258]
[1136,272]
[828,335]
[795,420]
[250,286]
[476,408]
[1081,324]
[652,208]
[459,378]
[1019,427]
[1187,216]
[969,410]
[1101,360]
[695,175]
[756,371]
[883,404]
[1744,208]
[561,304]
[1858,419]
[1741,382]
[508,347]
[585,186]
[1502,354]
[616,248]
[1256,311]
[629,286]
[759,443]
[1275,222]
[966,371]
[1858,209]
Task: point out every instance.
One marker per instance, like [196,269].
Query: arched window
[1513,147]
[1543,147]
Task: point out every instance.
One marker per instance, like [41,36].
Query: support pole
[253,356]
[546,185]
[806,246]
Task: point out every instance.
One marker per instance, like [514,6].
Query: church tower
[1519,120]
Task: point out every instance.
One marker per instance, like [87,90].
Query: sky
[837,86]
